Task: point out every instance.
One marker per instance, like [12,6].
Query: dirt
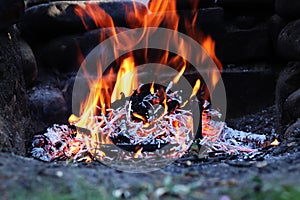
[272,176]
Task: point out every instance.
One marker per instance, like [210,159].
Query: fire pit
[124,111]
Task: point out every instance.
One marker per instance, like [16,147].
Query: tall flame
[127,80]
[112,86]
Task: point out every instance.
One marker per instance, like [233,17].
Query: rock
[66,53]
[266,5]
[293,130]
[292,105]
[46,21]
[28,63]
[47,105]
[15,131]
[288,44]
[10,12]
[288,10]
[236,6]
[276,25]
[209,20]
[288,82]
[244,45]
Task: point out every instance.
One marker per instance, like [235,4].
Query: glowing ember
[275,143]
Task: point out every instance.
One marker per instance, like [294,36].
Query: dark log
[10,12]
[14,113]
[45,21]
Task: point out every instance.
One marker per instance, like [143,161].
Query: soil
[272,176]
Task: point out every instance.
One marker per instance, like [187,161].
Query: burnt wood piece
[288,9]
[288,44]
[45,21]
[10,12]
[15,131]
[142,107]
[286,90]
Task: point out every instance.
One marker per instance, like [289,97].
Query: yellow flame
[275,143]
[138,153]
[127,80]
[178,76]
[196,88]
[152,88]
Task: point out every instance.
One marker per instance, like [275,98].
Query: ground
[276,176]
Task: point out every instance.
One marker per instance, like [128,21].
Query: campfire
[129,112]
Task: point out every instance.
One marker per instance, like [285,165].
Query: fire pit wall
[255,40]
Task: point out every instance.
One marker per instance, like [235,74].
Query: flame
[73,119]
[139,117]
[138,153]
[114,84]
[275,143]
[196,88]
[126,80]
[177,77]
[152,88]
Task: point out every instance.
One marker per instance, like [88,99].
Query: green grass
[77,189]
[258,189]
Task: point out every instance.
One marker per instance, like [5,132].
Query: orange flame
[196,88]
[138,153]
[112,86]
[152,88]
[126,80]
[275,143]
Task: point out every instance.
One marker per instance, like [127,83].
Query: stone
[10,12]
[28,63]
[288,43]
[209,20]
[15,127]
[66,54]
[237,4]
[292,105]
[47,21]
[244,45]
[47,105]
[287,83]
[277,23]
[289,10]
[293,130]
